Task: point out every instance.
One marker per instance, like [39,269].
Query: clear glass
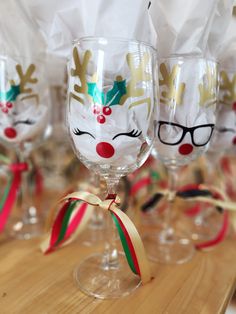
[224,136]
[111,119]
[95,232]
[208,222]
[24,123]
[188,90]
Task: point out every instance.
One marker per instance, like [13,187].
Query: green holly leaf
[112,97]
[11,94]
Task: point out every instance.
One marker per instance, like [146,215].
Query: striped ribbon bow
[76,202]
[201,193]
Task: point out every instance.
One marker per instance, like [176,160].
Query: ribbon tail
[9,200]
[220,235]
[139,185]
[227,205]
[193,211]
[78,223]
[132,244]
[70,221]
[38,182]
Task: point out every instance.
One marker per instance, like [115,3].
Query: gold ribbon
[112,206]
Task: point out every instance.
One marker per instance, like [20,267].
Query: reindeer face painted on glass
[188,88]
[224,136]
[110,116]
[22,114]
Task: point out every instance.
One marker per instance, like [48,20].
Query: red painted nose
[185,149]
[105,150]
[234,140]
[234,106]
[10,132]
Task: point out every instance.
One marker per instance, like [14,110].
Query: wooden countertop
[33,283]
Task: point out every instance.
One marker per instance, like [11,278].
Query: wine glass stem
[172,178]
[111,259]
[26,202]
[212,166]
[97,216]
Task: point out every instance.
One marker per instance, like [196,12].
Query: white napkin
[227,50]
[62,21]
[17,36]
[224,138]
[185,27]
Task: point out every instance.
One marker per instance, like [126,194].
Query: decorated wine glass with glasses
[188,91]
[208,223]
[111,118]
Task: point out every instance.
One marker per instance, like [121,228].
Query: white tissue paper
[23,88]
[227,49]
[224,137]
[63,21]
[189,30]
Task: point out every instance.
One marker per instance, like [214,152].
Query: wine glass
[111,121]
[208,221]
[188,90]
[24,123]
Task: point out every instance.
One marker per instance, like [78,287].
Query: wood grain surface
[33,283]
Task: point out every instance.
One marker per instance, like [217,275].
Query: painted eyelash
[132,133]
[77,131]
[28,121]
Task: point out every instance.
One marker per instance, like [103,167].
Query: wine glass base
[24,230]
[151,219]
[178,249]
[205,227]
[100,280]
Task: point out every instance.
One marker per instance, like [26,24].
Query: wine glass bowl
[224,137]
[112,125]
[188,90]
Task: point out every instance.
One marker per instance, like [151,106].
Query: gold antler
[207,89]
[26,78]
[174,93]
[80,71]
[228,87]
[138,74]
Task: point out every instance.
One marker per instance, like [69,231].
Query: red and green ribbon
[66,223]
[127,245]
[10,193]
[77,204]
